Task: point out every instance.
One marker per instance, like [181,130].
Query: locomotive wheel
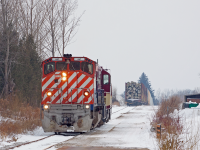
[82,132]
[57,133]
[100,123]
[109,115]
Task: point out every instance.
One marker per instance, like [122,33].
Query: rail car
[76,94]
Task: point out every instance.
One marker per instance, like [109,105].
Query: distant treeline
[166,94]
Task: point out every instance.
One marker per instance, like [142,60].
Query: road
[129,128]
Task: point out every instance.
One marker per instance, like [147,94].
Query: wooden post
[158,130]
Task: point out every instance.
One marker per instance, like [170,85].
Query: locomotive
[76,94]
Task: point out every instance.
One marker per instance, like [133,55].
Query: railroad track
[63,134]
[119,110]
[21,144]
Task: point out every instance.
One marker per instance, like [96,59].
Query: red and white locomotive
[76,94]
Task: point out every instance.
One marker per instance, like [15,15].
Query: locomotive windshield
[87,67]
[74,65]
[49,67]
[61,66]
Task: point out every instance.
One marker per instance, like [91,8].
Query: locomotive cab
[75,94]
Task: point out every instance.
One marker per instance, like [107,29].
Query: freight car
[137,94]
[76,94]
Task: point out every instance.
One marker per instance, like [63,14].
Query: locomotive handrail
[52,88]
[101,91]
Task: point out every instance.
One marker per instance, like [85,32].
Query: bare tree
[33,14]
[8,19]
[114,94]
[68,22]
[51,24]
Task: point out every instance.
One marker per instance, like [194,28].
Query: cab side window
[87,67]
[49,67]
[105,79]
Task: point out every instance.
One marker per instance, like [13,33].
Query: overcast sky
[159,38]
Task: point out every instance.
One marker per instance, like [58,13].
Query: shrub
[17,118]
[175,134]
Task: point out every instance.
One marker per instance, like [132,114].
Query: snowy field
[129,127]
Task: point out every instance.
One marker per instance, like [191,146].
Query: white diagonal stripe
[85,83]
[51,89]
[73,96]
[89,99]
[59,81]
[58,91]
[63,94]
[74,85]
[82,86]
[70,89]
[81,78]
[57,73]
[48,82]
[72,77]
[43,79]
[80,98]
[91,87]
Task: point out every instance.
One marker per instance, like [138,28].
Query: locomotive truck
[76,94]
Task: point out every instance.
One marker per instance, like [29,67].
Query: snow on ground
[32,136]
[129,127]
[121,100]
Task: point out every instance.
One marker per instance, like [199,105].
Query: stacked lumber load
[133,90]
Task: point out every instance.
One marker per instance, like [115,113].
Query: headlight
[49,93]
[86,93]
[64,74]
[87,106]
[64,78]
[46,106]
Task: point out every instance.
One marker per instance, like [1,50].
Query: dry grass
[166,107]
[20,118]
[175,135]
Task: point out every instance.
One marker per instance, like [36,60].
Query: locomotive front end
[67,94]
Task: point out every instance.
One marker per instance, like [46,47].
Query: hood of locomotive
[70,91]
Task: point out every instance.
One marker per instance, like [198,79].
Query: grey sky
[160,38]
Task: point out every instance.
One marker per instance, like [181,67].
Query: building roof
[192,96]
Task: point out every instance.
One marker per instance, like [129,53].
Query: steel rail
[119,110]
[31,142]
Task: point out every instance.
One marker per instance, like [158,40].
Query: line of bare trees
[51,23]
[166,94]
